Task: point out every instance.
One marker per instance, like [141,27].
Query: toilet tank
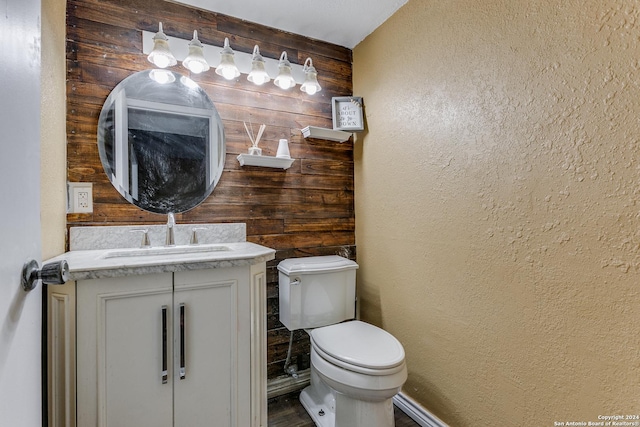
[316,291]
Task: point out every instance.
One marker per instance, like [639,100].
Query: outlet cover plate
[80,197]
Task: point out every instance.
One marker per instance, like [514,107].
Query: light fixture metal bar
[180,49]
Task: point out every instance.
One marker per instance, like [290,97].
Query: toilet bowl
[356,368]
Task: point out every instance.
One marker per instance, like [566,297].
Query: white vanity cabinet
[184,348]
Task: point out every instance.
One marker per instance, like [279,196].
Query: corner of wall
[53,129]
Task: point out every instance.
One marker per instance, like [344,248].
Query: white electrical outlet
[80,197]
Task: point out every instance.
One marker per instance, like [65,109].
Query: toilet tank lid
[316,264]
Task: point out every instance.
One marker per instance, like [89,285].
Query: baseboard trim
[416,412]
[287,384]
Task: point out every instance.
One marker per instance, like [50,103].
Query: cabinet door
[121,352]
[214,340]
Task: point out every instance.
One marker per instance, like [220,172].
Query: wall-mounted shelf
[265,161]
[322,133]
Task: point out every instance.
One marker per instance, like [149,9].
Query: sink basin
[164,250]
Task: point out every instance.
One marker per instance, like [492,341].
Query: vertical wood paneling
[306,210]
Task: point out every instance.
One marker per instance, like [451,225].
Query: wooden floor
[287,411]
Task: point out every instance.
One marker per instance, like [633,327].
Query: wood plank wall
[306,210]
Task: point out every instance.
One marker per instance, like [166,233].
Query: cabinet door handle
[183,374]
[164,373]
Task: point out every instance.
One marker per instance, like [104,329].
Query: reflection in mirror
[161,141]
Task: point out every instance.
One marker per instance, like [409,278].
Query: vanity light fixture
[284,80]
[227,63]
[258,74]
[195,61]
[227,67]
[161,55]
[310,85]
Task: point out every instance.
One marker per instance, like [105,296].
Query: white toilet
[356,368]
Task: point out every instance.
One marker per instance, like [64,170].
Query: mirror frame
[176,98]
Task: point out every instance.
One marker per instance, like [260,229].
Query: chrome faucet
[146,243]
[194,235]
[171,222]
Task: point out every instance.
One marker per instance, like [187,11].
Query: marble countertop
[103,263]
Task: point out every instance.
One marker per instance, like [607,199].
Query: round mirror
[161,141]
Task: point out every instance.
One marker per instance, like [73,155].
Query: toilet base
[322,413]
[328,408]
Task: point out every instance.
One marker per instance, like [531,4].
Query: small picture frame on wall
[347,113]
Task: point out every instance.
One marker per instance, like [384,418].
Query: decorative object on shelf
[310,85]
[347,113]
[229,64]
[254,150]
[265,161]
[283,149]
[328,134]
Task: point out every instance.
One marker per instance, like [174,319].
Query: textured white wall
[53,170]
[498,205]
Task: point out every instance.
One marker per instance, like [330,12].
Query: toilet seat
[359,347]
[358,385]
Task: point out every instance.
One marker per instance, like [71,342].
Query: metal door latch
[54,273]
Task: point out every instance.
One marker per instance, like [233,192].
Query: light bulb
[310,85]
[196,67]
[284,84]
[228,73]
[161,61]
[161,55]
[285,79]
[227,67]
[260,79]
[195,61]
[258,74]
